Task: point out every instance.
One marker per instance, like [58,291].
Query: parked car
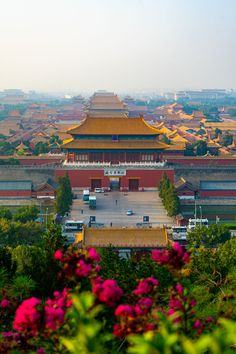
[129,212]
[99,190]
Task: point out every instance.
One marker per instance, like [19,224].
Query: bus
[92,202]
[192,223]
[179,232]
[86,194]
[73,225]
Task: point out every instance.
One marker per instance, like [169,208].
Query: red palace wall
[188,193]
[201,161]
[38,161]
[217,194]
[16,194]
[147,178]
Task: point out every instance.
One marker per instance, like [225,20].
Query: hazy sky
[119,45]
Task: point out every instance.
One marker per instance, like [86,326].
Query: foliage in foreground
[92,313]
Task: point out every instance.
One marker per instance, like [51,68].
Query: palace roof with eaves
[114,126]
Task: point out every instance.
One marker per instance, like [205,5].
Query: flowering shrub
[93,315]
[27,318]
[107,291]
[78,264]
[175,258]
[146,286]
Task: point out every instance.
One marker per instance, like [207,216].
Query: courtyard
[112,207]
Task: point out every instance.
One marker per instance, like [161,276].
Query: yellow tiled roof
[165,130]
[128,237]
[114,126]
[179,138]
[121,144]
[221,125]
[176,146]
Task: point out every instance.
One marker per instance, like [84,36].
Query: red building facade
[114,153]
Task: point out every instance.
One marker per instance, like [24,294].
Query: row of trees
[20,228]
[169,196]
[64,197]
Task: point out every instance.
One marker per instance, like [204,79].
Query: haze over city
[74,45]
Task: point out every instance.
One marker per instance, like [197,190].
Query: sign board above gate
[114,172]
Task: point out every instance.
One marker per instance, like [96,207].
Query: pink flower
[162,257]
[83,269]
[41,350]
[125,310]
[179,288]
[54,309]
[175,304]
[27,317]
[171,312]
[210,319]
[94,255]
[146,286]
[54,316]
[150,327]
[193,302]
[197,324]
[117,330]
[5,303]
[58,255]
[179,249]
[143,306]
[176,257]
[107,291]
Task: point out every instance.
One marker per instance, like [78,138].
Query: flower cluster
[175,258]
[77,263]
[5,303]
[106,291]
[136,318]
[54,310]
[181,306]
[133,318]
[28,316]
[146,286]
[31,317]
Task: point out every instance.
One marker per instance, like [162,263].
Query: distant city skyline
[117,45]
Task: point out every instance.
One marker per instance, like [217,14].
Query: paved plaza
[112,208]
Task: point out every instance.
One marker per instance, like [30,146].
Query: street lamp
[200,208]
[46,217]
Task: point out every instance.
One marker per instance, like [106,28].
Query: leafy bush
[90,314]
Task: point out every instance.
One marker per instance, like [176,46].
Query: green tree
[189,151]
[165,139]
[5,213]
[64,196]
[201,148]
[55,139]
[53,239]
[21,287]
[227,139]
[210,236]
[41,148]
[26,213]
[164,185]
[217,133]
[4,231]
[169,196]
[201,131]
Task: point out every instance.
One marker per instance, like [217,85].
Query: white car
[129,212]
[99,190]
